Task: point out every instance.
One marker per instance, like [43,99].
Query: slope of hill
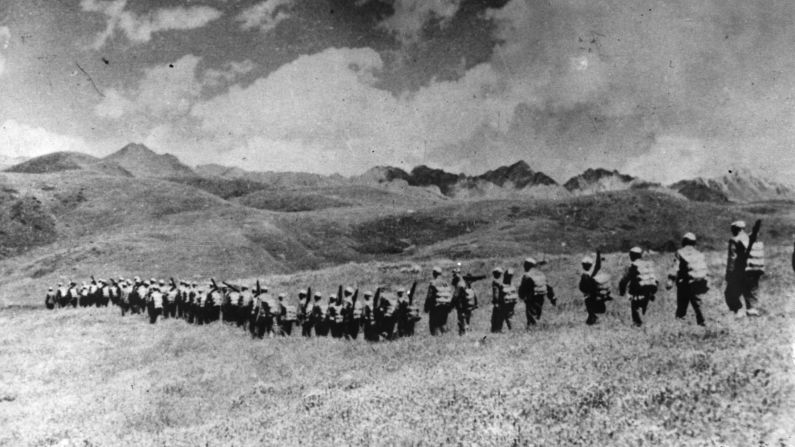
[597,180]
[737,186]
[141,161]
[67,161]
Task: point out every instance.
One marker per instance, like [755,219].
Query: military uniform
[50,299]
[595,290]
[407,315]
[438,303]
[387,309]
[690,273]
[369,318]
[742,277]
[289,316]
[155,304]
[496,315]
[336,317]
[638,279]
[533,290]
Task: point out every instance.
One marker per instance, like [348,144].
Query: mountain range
[515,180]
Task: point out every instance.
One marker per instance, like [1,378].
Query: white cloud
[21,140]
[411,16]
[673,158]
[5,39]
[140,28]
[265,15]
[228,73]
[165,90]
[327,107]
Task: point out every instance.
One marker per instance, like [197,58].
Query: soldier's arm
[625,279]
[428,298]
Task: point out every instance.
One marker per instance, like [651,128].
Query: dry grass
[90,377]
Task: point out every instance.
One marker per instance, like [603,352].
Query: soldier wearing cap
[305,313]
[155,302]
[638,280]
[286,317]
[741,281]
[533,290]
[336,316]
[690,274]
[351,313]
[318,316]
[466,301]
[594,301]
[438,302]
[408,313]
[496,286]
[50,299]
[369,317]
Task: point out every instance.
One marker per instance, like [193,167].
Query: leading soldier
[595,286]
[744,267]
[50,299]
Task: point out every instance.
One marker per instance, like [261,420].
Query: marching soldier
[438,303]
[690,273]
[289,316]
[318,316]
[336,316]
[496,286]
[73,294]
[595,285]
[744,267]
[408,312]
[508,298]
[466,302]
[155,302]
[640,281]
[305,309]
[83,299]
[125,290]
[352,312]
[370,316]
[50,299]
[533,290]
[387,309]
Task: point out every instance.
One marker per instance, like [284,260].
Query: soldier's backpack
[756,258]
[539,281]
[645,281]
[470,299]
[444,295]
[389,306]
[509,294]
[696,269]
[290,313]
[413,312]
[356,312]
[601,283]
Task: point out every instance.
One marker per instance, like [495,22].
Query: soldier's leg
[635,306]
[695,301]
[461,323]
[496,319]
[537,304]
[590,308]
[529,313]
[682,301]
[509,316]
[751,290]
[732,293]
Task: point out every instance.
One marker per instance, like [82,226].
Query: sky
[661,89]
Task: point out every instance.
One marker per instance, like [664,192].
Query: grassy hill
[109,380]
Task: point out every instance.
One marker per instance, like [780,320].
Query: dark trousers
[388,327]
[684,297]
[532,309]
[306,328]
[405,326]
[502,314]
[745,285]
[337,329]
[638,306]
[437,319]
[154,312]
[594,305]
[371,331]
[352,328]
[287,328]
[464,318]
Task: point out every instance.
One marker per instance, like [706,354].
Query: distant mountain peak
[144,162]
[737,185]
[594,180]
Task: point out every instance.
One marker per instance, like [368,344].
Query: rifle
[412,292]
[258,291]
[376,297]
[339,294]
[215,286]
[597,264]
[754,235]
[236,289]
[308,300]
[472,278]
[93,281]
[173,283]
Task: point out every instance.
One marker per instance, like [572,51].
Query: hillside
[67,161]
[141,161]
[112,380]
[736,186]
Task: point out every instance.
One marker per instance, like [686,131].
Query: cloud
[165,90]
[265,15]
[5,39]
[411,17]
[673,158]
[327,106]
[21,140]
[227,73]
[139,28]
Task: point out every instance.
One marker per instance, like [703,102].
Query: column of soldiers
[387,314]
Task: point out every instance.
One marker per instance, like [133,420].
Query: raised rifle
[339,294]
[412,292]
[472,278]
[215,286]
[236,289]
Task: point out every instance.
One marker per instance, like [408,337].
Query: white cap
[349,290]
[689,237]
[530,261]
[738,224]
[637,250]
[587,260]
[437,269]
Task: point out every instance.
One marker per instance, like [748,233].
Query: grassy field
[90,377]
